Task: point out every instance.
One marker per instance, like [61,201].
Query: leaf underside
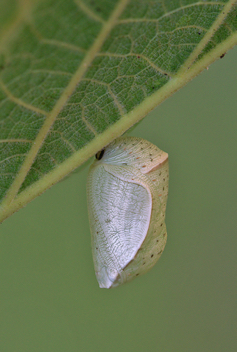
[76,74]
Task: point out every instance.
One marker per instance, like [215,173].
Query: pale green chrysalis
[127,192]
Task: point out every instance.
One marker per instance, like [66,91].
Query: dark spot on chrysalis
[100,154]
[222,55]
[137,274]
[152,255]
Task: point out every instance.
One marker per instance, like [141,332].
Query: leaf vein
[131,20]
[10,140]
[158,69]
[88,11]
[18,101]
[118,104]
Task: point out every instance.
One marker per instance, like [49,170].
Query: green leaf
[74,75]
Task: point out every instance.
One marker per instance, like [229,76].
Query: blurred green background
[49,296]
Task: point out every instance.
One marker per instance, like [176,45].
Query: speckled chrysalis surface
[127,192]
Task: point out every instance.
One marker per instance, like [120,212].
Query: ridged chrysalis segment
[127,193]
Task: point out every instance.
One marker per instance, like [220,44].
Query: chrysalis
[127,192]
